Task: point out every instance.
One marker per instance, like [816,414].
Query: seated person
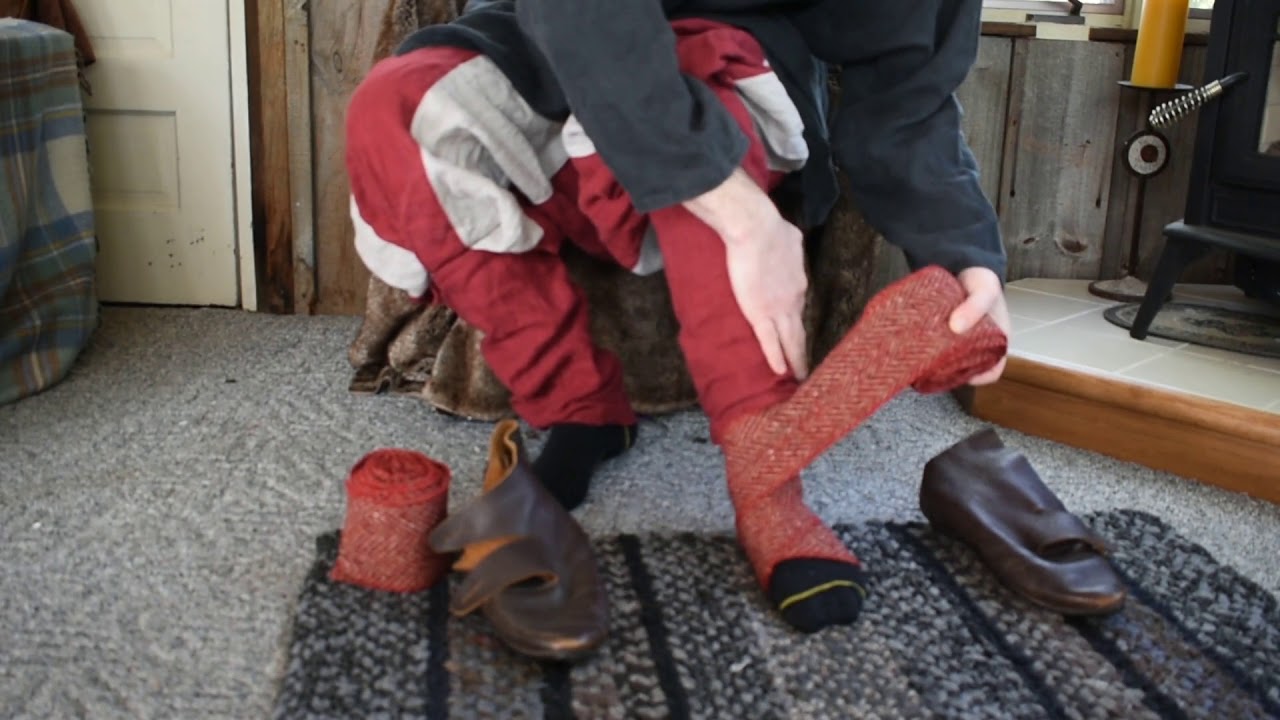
[655,140]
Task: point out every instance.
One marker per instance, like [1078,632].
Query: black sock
[573,452]
[812,594]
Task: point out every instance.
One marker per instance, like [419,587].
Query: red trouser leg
[534,319]
[729,370]
[537,337]
[724,357]
[734,380]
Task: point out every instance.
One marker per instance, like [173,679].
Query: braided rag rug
[691,637]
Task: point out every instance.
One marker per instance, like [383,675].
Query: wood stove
[1233,201]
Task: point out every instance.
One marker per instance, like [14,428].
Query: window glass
[1269,140]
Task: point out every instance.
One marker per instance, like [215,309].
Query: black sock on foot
[572,453]
[812,594]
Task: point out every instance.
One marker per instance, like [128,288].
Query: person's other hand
[765,256]
[986,298]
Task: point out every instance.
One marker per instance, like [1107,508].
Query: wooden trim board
[1220,444]
[298,118]
[269,138]
[280,137]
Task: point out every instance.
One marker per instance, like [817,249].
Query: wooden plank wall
[344,37]
[985,100]
[1056,181]
[1045,120]
[280,121]
[269,149]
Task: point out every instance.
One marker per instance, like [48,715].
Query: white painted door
[161,150]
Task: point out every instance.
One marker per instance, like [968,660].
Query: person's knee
[371,113]
[375,92]
[394,86]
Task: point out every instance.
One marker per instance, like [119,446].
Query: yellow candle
[1161,33]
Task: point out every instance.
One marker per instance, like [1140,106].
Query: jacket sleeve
[662,134]
[897,133]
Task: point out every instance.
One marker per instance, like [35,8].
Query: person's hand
[770,285]
[986,298]
[765,257]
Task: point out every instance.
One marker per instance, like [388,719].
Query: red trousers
[447,202]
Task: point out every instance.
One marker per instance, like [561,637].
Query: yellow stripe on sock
[819,589]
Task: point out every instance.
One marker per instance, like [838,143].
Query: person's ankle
[572,453]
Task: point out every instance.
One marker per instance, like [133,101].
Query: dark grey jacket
[896,132]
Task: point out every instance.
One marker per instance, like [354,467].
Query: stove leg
[1178,253]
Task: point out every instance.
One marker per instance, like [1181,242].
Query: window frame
[1108,7]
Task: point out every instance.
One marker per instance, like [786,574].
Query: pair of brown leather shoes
[989,497]
[530,569]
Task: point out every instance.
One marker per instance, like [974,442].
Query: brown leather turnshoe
[990,498]
[529,566]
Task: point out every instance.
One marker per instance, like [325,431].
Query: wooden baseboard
[1224,445]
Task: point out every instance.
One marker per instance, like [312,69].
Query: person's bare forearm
[735,209]
[664,136]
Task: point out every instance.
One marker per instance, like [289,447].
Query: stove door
[1269,129]
[1244,166]
[1249,125]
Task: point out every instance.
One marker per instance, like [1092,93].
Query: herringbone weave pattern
[395,498]
[902,340]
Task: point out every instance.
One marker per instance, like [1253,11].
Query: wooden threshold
[1216,443]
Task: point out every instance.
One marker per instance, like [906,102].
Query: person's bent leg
[807,572]
[433,213]
[809,575]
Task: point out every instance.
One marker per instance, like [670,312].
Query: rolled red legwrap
[395,498]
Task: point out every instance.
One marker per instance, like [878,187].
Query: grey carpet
[159,508]
[691,638]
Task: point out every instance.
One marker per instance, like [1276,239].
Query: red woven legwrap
[395,498]
[902,340]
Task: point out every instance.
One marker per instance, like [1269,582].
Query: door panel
[161,150]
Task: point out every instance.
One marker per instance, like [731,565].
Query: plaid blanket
[48,303]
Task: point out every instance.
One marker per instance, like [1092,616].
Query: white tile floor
[1058,322]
